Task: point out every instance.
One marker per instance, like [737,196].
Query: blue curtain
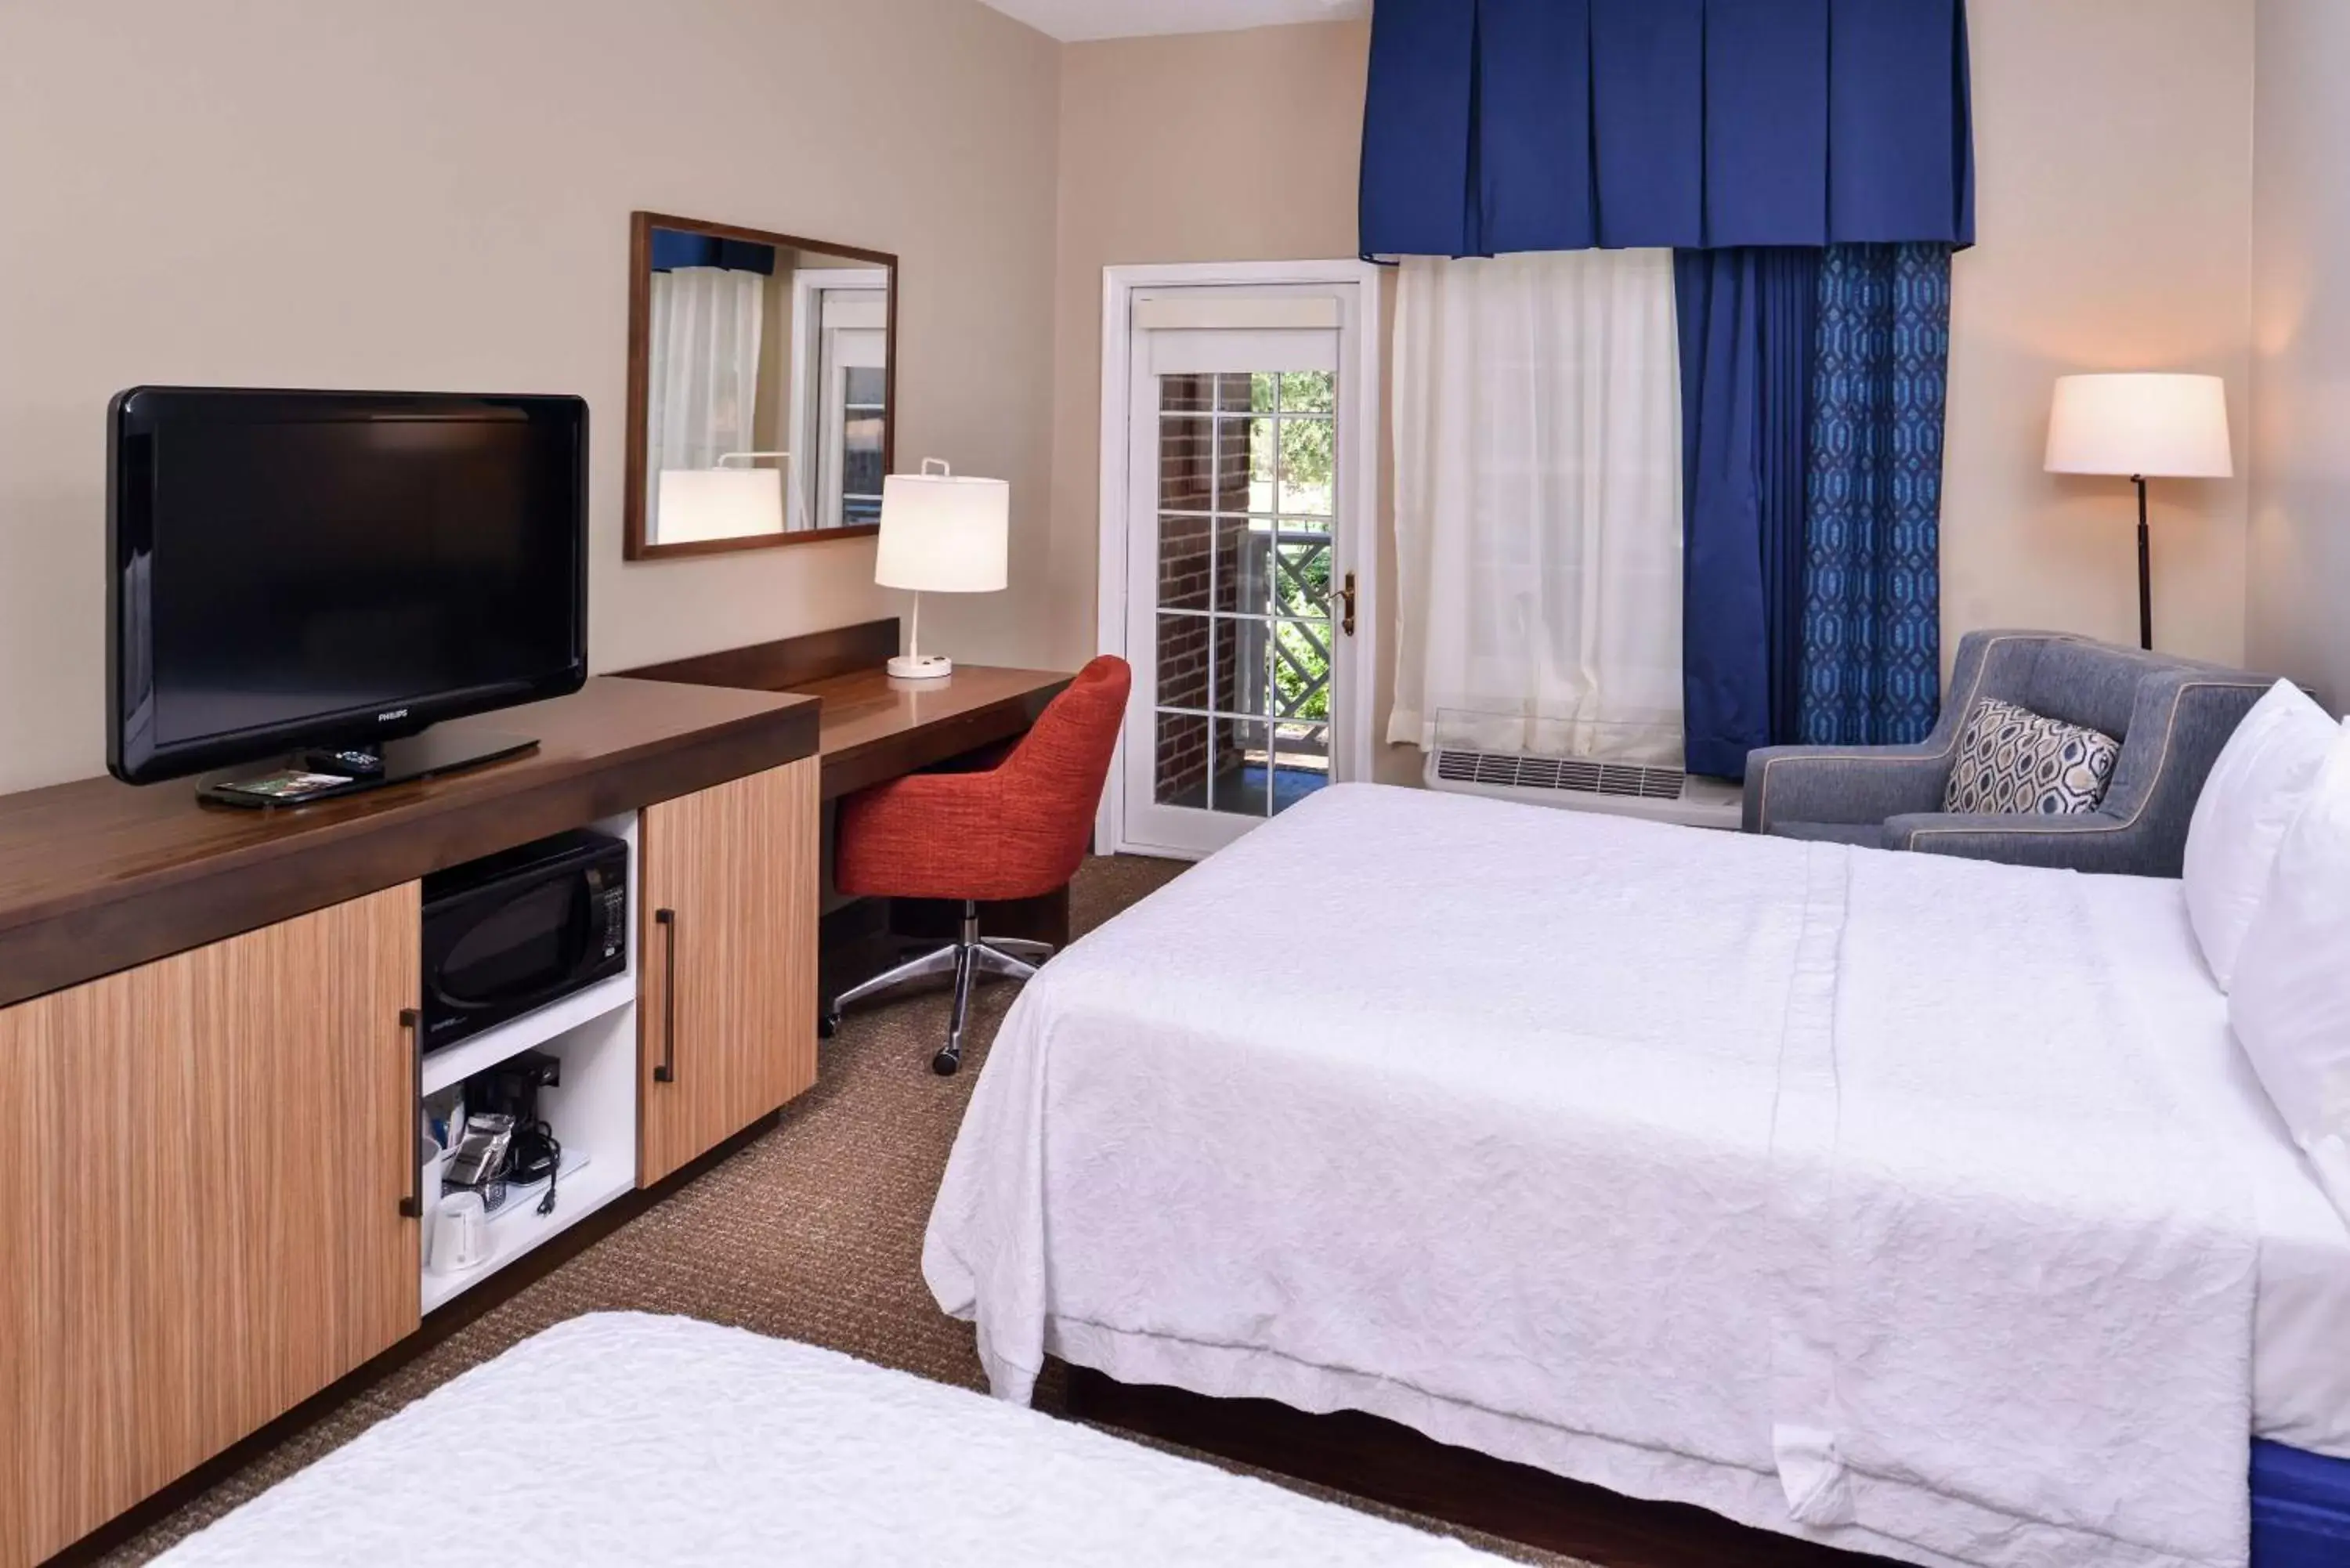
[1871,646]
[1521,125]
[1747,327]
[1813,161]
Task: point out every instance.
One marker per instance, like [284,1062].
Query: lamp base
[920,667]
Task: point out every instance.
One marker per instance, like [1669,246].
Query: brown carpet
[814,1232]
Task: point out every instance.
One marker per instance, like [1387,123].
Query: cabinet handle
[667,1072]
[412,1206]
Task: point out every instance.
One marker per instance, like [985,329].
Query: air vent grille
[1571,776]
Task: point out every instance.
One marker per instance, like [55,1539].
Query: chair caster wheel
[946,1062]
[827,1024]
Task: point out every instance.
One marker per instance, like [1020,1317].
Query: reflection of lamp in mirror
[943,533]
[722,503]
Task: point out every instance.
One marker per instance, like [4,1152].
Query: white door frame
[809,285]
[1359,360]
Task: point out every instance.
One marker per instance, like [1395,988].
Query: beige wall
[2299,592]
[1204,146]
[276,194]
[435,195]
[1194,147]
[2114,147]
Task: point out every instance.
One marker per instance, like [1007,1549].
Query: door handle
[1346,600]
[667,1072]
[412,1206]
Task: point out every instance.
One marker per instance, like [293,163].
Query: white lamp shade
[943,533]
[718,504]
[2162,427]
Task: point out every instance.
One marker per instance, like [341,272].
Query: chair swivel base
[967,957]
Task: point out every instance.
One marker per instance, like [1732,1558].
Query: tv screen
[335,568]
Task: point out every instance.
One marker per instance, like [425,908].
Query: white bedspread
[1835,1190]
[621,1439]
[2301,1327]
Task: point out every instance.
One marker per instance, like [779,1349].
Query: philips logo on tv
[388,718]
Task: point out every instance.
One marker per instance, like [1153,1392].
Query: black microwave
[519,930]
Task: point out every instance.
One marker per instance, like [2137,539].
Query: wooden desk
[874,729]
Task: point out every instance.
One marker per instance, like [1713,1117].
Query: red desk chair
[1017,830]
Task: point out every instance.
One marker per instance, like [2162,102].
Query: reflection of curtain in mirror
[704,373]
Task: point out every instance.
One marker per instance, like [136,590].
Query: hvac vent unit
[1579,783]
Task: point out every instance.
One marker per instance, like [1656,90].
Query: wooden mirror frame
[634,546]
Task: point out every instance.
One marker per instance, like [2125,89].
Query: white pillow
[2254,793]
[2291,1004]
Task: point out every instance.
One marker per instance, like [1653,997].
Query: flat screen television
[334,572]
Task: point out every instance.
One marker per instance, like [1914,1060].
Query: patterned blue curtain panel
[1872,645]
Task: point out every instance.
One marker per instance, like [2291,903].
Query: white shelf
[583,1188]
[593,1110]
[455,1063]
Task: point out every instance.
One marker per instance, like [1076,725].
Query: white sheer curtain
[704,369]
[1538,504]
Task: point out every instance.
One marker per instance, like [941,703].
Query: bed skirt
[2300,1508]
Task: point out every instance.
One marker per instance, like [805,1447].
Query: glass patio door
[1239,578]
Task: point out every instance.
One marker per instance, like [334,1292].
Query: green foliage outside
[1299,488]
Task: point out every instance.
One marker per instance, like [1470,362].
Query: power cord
[554,1165]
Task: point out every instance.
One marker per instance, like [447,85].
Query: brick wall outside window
[1193,477]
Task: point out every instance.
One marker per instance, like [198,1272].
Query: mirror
[761,371]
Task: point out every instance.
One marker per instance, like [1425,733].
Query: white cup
[429,1157]
[461,1234]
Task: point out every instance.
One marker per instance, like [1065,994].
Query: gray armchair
[2171,716]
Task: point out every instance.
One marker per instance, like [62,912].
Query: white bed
[622,1438]
[1915,1205]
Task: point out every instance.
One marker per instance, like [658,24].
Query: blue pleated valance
[1530,125]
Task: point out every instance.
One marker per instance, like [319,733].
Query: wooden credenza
[207,1090]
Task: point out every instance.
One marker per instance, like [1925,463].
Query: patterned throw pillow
[2012,759]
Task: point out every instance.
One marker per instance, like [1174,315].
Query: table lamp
[2147,427]
[942,534]
[721,503]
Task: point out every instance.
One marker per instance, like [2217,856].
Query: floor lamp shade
[2162,427]
[2144,427]
[940,532]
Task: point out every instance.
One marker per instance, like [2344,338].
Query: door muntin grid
[1245,497]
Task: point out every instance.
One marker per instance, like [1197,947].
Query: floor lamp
[2144,427]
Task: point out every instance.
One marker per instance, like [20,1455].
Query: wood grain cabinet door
[201,1164]
[727,955]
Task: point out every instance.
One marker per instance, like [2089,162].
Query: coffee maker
[506,1142]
